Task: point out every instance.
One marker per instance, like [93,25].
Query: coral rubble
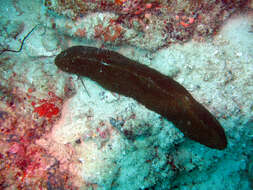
[139,22]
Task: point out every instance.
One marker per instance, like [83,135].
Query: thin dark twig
[22,43]
[84,86]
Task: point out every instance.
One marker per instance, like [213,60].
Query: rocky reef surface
[61,131]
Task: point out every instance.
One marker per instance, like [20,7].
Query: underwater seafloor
[61,131]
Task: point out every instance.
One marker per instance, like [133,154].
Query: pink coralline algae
[155,22]
[47,108]
[24,163]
